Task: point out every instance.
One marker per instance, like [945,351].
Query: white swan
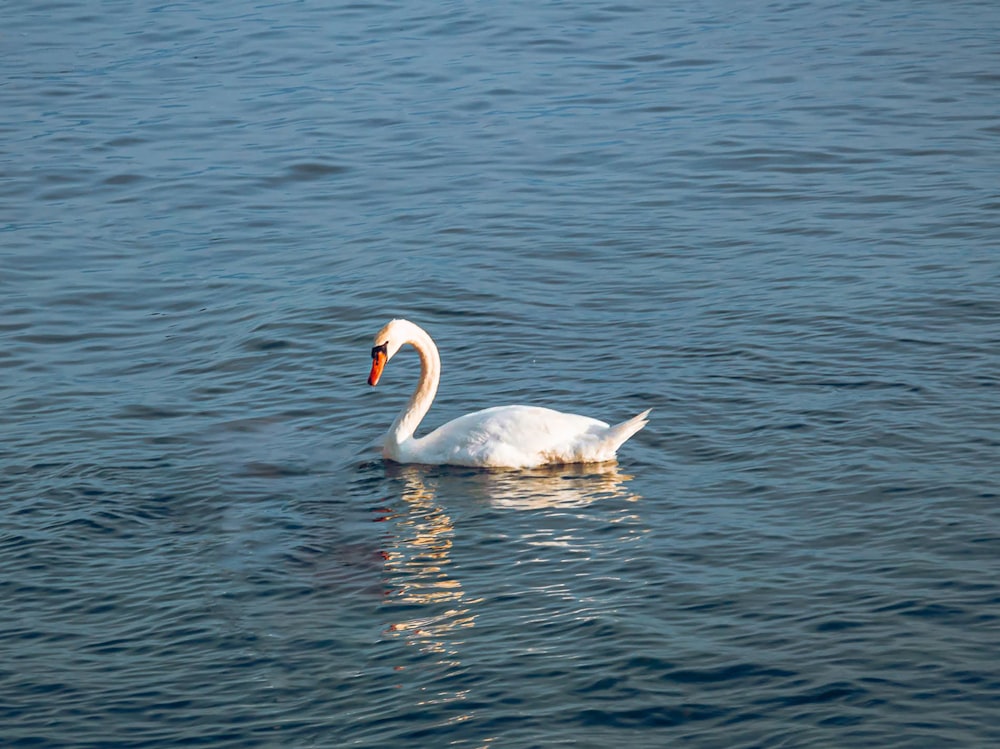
[502,437]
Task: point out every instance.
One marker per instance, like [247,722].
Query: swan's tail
[621,432]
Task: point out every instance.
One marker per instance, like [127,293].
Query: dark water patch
[834,692]
[654,716]
[742,671]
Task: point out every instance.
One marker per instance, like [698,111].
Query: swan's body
[503,437]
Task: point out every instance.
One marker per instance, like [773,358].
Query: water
[776,227]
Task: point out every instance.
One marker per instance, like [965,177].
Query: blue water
[778,226]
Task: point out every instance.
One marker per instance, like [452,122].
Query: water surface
[776,227]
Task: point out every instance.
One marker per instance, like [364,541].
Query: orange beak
[378,363]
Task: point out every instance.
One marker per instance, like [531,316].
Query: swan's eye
[383,349]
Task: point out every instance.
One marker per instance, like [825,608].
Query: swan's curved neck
[409,418]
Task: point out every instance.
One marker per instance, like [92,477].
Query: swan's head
[387,342]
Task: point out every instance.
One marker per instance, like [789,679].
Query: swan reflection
[555,487]
[429,609]
[418,553]
[418,562]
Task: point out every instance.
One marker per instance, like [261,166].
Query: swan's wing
[516,436]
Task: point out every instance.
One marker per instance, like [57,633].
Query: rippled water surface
[778,226]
